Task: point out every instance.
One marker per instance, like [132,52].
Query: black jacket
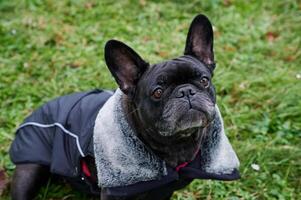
[59,134]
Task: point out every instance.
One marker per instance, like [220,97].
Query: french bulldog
[156,133]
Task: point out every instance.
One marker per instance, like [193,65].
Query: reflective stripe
[58,125]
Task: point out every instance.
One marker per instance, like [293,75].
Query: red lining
[85,169]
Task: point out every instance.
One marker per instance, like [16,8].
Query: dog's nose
[185,92]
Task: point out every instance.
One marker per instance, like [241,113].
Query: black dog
[160,130]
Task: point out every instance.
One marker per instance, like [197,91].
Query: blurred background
[50,48]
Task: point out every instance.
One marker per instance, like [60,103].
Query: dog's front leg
[27,180]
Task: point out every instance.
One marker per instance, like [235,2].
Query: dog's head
[175,97]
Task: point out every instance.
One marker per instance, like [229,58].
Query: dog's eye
[205,82]
[157,93]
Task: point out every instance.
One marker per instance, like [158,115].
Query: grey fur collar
[217,154]
[122,159]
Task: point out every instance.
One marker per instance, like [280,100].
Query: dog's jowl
[153,135]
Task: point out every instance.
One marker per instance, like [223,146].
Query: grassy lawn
[50,48]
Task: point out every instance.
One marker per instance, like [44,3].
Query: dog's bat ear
[199,42]
[125,65]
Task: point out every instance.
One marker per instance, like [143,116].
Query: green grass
[50,48]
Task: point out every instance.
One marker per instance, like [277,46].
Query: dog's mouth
[187,133]
[192,119]
[186,125]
